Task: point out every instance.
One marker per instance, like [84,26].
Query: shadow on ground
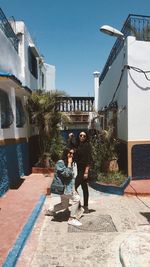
[62,216]
[16,186]
[146,215]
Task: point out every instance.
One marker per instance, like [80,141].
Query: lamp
[111,31]
[114,32]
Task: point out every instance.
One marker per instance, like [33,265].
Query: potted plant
[105,169]
[104,151]
[45,116]
[112,182]
[108,149]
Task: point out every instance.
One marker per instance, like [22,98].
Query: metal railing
[135,25]
[8,31]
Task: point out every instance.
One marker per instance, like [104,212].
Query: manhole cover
[101,223]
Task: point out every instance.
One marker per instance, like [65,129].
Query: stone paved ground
[56,246]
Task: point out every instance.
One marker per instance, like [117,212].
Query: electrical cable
[139,198]
[140,71]
[122,71]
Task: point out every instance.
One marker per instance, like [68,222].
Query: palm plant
[108,144]
[103,149]
[45,115]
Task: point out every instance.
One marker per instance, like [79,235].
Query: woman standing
[64,178]
[71,141]
[83,159]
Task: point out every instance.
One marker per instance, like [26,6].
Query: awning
[8,81]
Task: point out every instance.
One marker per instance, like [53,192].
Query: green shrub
[116,178]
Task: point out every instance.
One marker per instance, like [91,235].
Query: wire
[138,197]
[122,71]
[140,71]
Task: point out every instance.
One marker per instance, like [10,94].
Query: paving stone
[135,250]
[111,221]
[101,223]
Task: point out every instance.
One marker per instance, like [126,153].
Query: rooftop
[135,25]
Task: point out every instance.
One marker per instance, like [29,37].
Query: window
[42,80]
[6,114]
[32,63]
[102,122]
[20,114]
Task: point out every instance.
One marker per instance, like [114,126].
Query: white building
[124,89]
[50,77]
[22,69]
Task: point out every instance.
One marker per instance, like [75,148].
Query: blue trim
[4,73]
[111,189]
[9,75]
[14,254]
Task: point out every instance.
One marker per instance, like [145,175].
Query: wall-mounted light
[111,31]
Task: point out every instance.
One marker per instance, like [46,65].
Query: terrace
[74,104]
[5,26]
[135,25]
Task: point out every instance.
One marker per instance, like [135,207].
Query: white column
[96,89]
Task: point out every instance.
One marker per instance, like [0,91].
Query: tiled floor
[16,206]
[138,187]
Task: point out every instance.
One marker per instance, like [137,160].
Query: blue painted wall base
[14,163]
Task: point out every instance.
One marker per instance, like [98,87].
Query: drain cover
[101,223]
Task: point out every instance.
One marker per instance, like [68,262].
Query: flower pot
[110,166]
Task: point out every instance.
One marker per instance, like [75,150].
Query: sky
[67,34]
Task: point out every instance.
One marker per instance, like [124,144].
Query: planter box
[42,170]
[109,188]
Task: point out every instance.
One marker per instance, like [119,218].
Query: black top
[83,154]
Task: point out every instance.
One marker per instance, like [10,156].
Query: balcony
[79,118]
[135,25]
[8,31]
[78,109]
[76,104]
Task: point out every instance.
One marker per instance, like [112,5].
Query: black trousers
[83,182]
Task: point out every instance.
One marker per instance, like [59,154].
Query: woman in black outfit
[83,159]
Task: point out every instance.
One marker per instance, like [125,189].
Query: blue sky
[67,34]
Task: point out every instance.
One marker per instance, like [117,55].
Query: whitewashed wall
[133,95]
[108,87]
[9,60]
[138,91]
[13,131]
[96,89]
[28,79]
[17,64]
[50,77]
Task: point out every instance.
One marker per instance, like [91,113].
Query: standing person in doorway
[83,159]
[71,141]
